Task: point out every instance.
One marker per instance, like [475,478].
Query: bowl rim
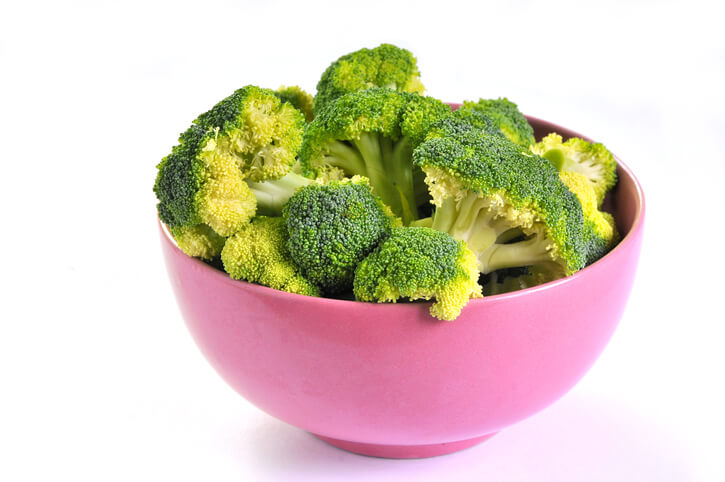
[628,239]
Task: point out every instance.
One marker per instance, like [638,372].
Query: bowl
[389,380]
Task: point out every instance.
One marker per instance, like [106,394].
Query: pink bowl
[387,379]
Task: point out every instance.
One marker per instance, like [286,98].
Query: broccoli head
[509,206]
[372,133]
[258,253]
[384,66]
[194,186]
[578,155]
[599,225]
[420,263]
[199,241]
[504,114]
[332,227]
[299,99]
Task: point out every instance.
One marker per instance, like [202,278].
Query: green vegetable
[299,99]
[384,66]
[258,253]
[199,241]
[420,263]
[577,155]
[504,114]
[332,227]
[372,133]
[507,204]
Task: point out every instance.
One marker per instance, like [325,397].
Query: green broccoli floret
[258,253]
[420,263]
[299,99]
[384,66]
[507,204]
[372,133]
[194,186]
[332,227]
[199,241]
[249,135]
[504,114]
[578,155]
[600,230]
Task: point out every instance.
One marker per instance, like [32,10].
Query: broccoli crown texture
[384,66]
[332,227]
[299,99]
[199,241]
[257,130]
[196,186]
[258,253]
[372,133]
[577,155]
[504,114]
[507,204]
[601,232]
[420,263]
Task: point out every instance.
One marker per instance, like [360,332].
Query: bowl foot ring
[404,451]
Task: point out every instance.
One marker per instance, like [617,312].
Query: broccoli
[599,225]
[199,241]
[332,227]
[420,263]
[372,133]
[504,114]
[194,187]
[384,66]
[258,253]
[508,205]
[273,194]
[299,99]
[578,155]
[250,135]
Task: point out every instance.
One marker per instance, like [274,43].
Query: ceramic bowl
[388,379]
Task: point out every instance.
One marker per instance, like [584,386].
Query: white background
[100,380]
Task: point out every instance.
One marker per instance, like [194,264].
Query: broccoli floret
[332,227]
[258,253]
[384,66]
[420,263]
[257,130]
[507,204]
[194,186]
[504,114]
[199,241]
[249,135]
[578,155]
[599,225]
[299,99]
[372,133]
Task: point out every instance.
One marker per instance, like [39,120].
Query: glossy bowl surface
[387,379]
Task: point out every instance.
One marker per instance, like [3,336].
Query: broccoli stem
[529,252]
[346,158]
[273,194]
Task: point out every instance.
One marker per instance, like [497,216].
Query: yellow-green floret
[509,206]
[577,155]
[383,66]
[372,133]
[504,114]
[258,253]
[300,99]
[602,232]
[332,227]
[257,130]
[195,186]
[420,263]
[199,241]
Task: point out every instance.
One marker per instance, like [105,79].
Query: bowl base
[404,451]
